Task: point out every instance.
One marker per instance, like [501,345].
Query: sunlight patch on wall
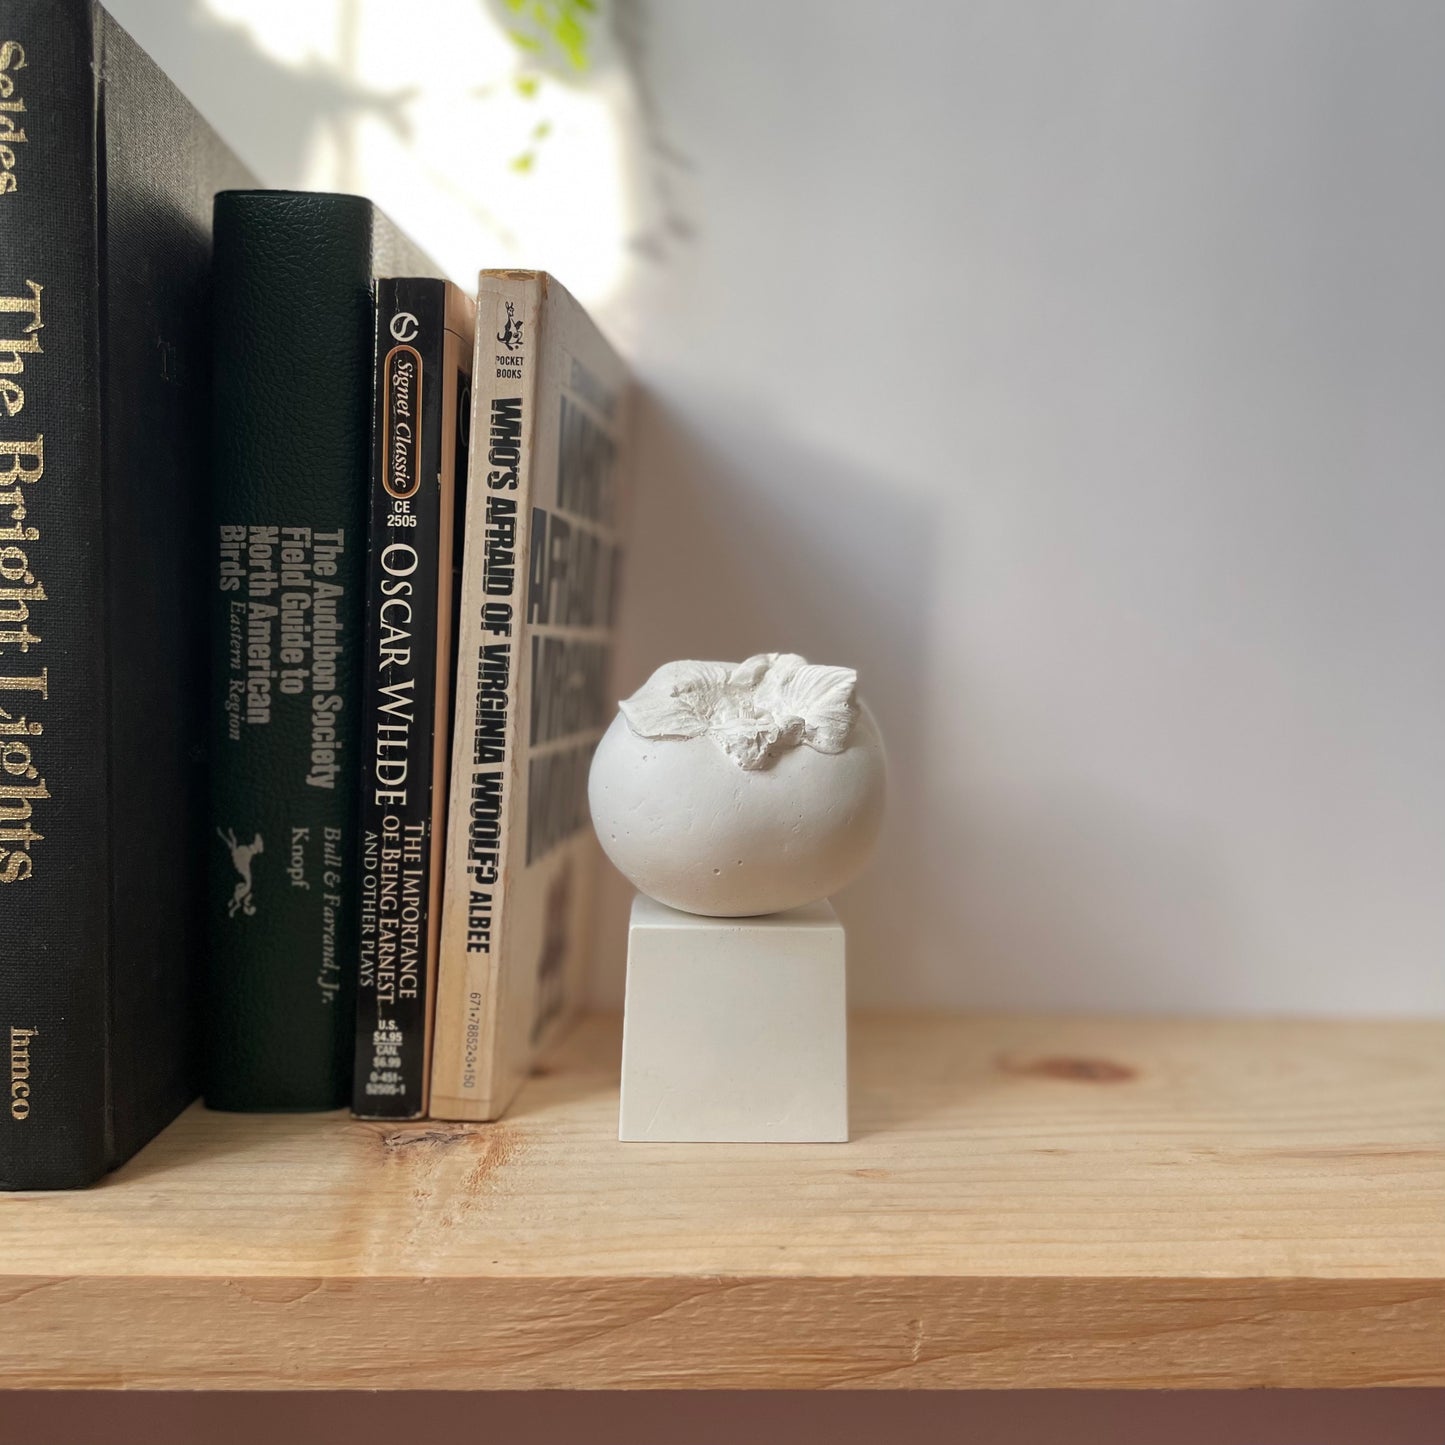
[436,115]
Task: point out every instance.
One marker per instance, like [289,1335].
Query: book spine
[293,333]
[54,814]
[487,735]
[399,722]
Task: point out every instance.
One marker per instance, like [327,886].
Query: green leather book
[293,320]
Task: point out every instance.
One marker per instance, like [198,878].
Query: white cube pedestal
[736,1028]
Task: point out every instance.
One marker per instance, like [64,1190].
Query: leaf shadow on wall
[790,551]
[272,113]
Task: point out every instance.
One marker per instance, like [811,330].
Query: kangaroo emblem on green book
[242,899]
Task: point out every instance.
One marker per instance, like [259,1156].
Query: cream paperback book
[546,504]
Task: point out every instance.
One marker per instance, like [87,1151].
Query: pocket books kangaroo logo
[511,334]
[243,898]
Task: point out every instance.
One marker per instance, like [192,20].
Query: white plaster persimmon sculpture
[732,790]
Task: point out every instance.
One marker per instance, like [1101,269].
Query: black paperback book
[106,183]
[424,337]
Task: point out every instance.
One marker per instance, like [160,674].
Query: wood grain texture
[1026,1202]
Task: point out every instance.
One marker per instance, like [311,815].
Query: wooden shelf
[1026,1202]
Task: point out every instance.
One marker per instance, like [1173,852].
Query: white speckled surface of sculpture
[733,790]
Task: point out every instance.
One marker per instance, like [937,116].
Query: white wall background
[1076,370]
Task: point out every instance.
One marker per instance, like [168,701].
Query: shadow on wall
[726,562]
[990,889]
[500,150]
[272,113]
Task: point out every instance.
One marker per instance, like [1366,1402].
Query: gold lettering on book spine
[12,116]
[20,1072]
[24,682]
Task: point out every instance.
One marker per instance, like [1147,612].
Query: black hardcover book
[106,181]
[424,335]
[293,333]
